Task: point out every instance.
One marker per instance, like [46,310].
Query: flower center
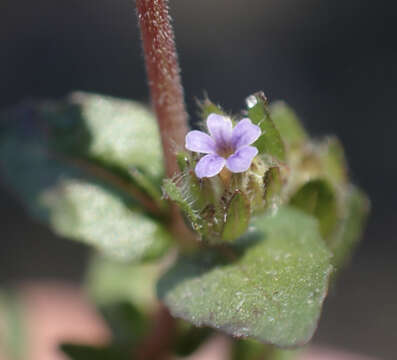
[224,150]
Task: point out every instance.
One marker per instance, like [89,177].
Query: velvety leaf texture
[287,123]
[273,292]
[68,162]
[351,227]
[318,198]
[118,132]
[91,213]
[237,217]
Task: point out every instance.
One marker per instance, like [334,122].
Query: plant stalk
[166,91]
[164,77]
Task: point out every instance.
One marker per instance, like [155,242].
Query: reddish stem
[164,77]
[167,93]
[158,343]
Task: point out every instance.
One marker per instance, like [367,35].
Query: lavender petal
[241,160]
[245,133]
[209,165]
[220,128]
[199,141]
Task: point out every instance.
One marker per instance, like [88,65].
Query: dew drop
[251,101]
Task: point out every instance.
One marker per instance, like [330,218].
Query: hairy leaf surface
[273,291]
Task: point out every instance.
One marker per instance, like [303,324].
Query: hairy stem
[164,77]
[166,92]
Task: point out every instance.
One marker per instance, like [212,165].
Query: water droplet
[251,101]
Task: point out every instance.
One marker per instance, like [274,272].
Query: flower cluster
[227,176]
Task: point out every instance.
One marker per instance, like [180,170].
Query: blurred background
[333,61]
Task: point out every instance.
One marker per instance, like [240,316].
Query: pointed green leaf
[207,107]
[175,194]
[270,141]
[273,184]
[318,198]
[273,292]
[333,160]
[287,123]
[91,213]
[351,228]
[51,158]
[119,133]
[237,217]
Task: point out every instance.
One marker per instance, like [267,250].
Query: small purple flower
[226,146]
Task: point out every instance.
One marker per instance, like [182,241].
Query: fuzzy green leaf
[287,123]
[273,185]
[237,217]
[207,107]
[273,292]
[318,198]
[175,194]
[120,133]
[333,161]
[93,214]
[69,173]
[270,142]
[351,228]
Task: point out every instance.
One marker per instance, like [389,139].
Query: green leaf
[351,228]
[121,133]
[237,217]
[49,156]
[273,185]
[207,107]
[333,161]
[108,282]
[88,212]
[176,195]
[318,198]
[273,292]
[288,124]
[270,141]
[148,186]
[249,350]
